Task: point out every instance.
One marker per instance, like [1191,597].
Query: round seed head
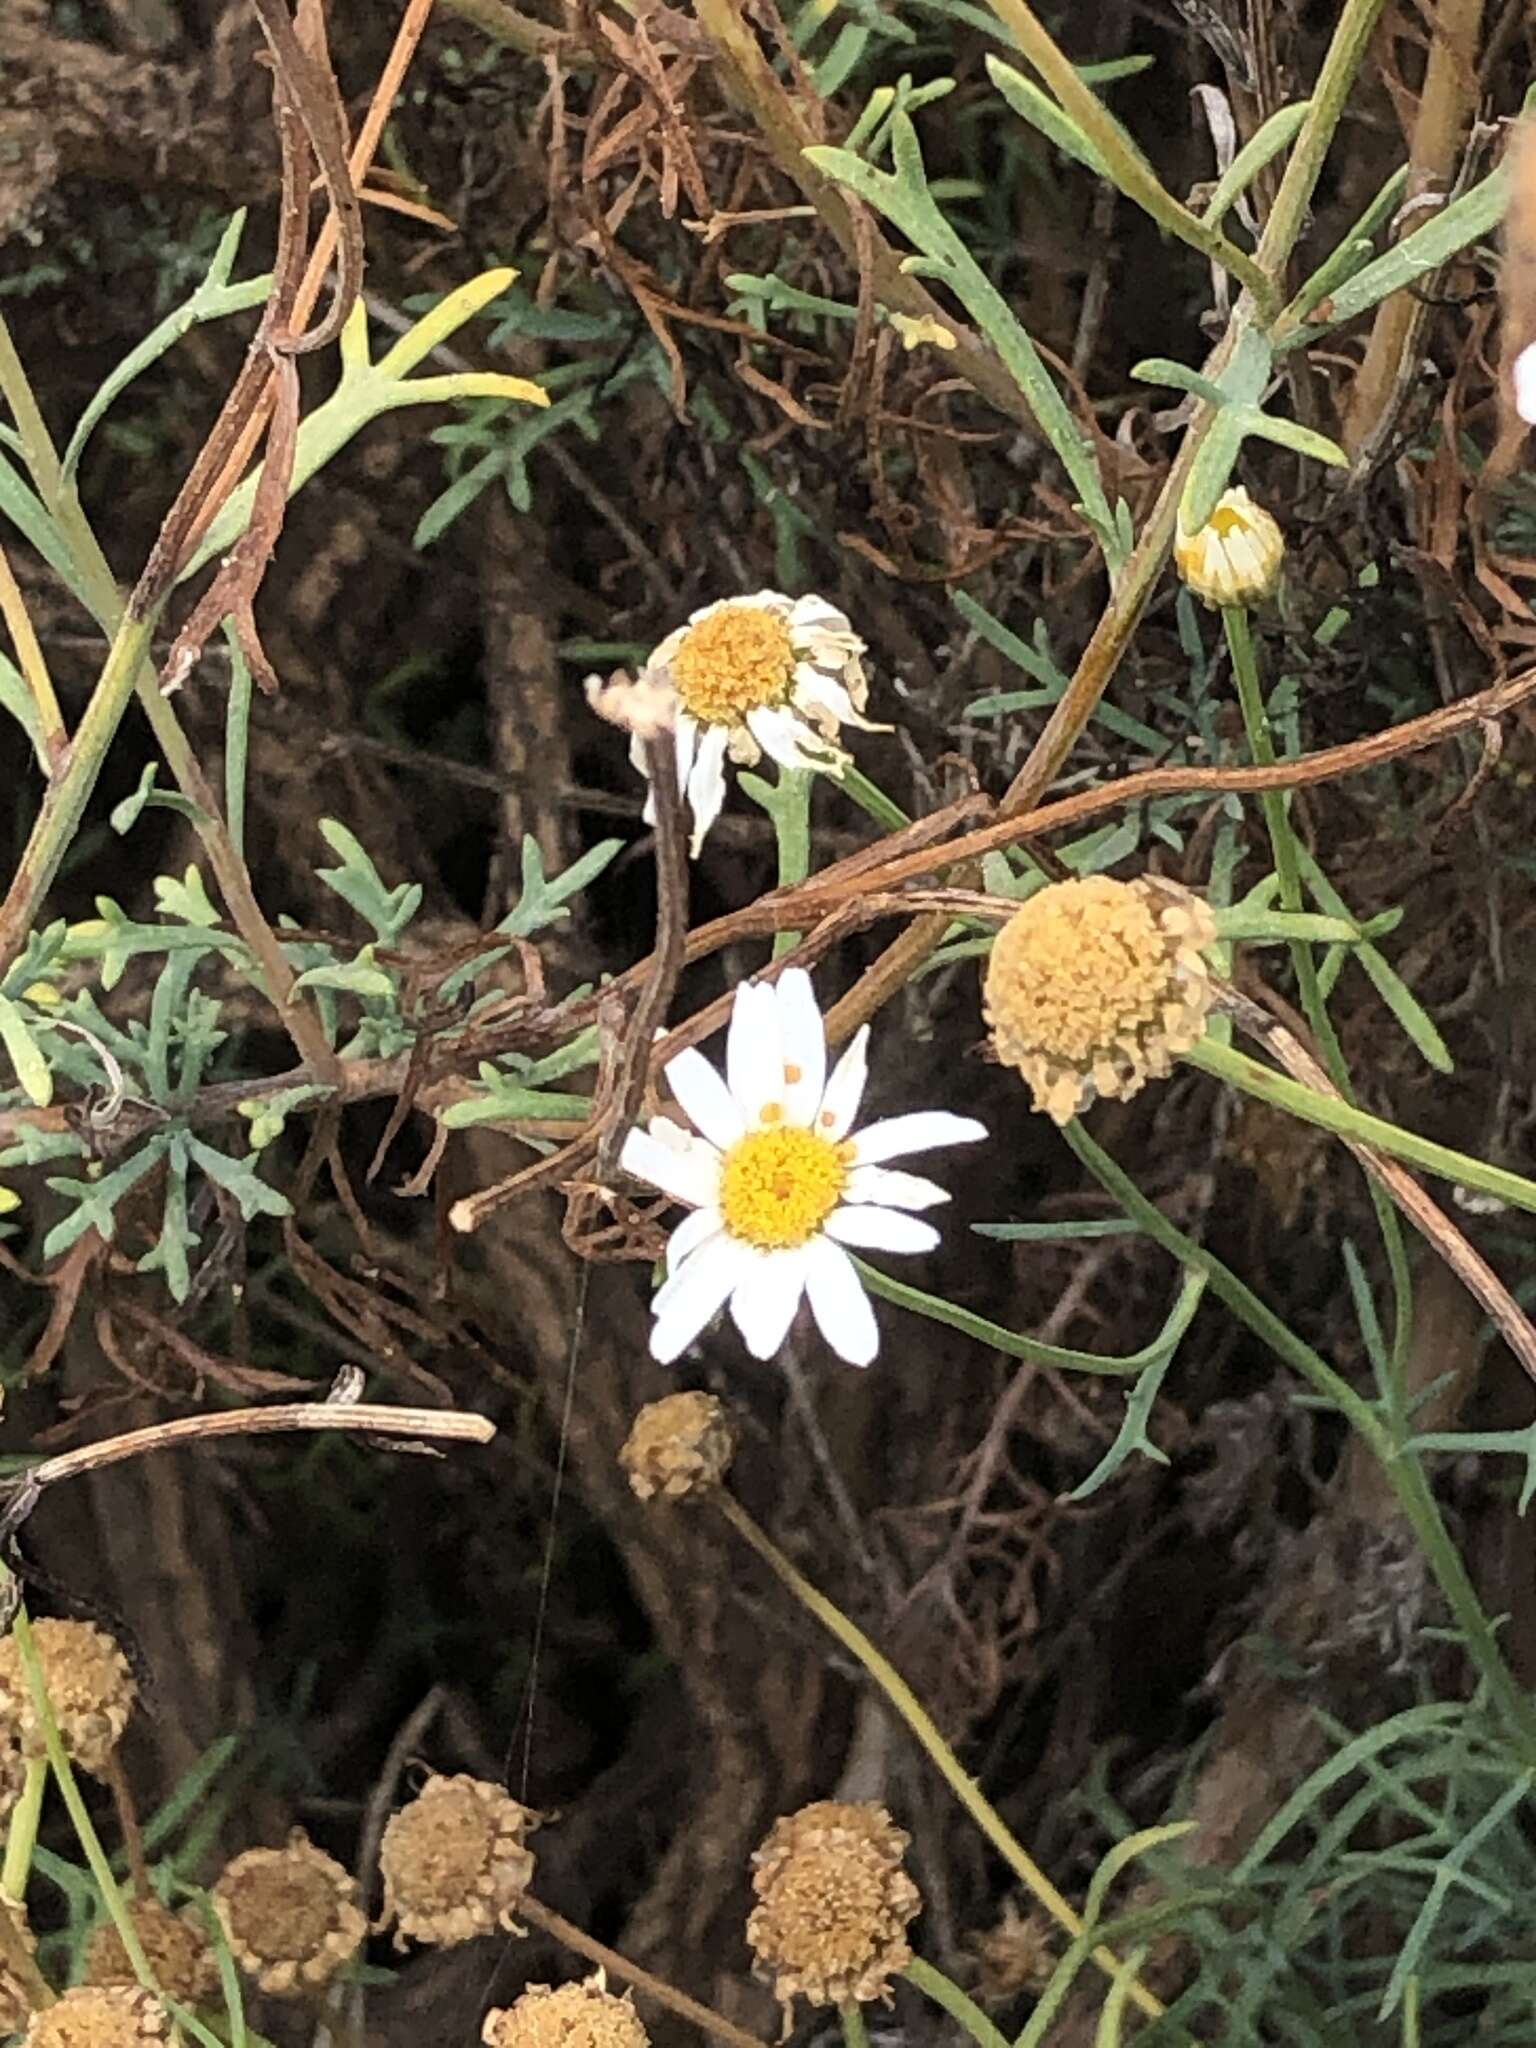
[15,2005]
[101,2016]
[290,1915]
[1235,558]
[566,2016]
[679,1446]
[1093,985]
[90,1689]
[176,1946]
[833,1904]
[455,1862]
[1015,1955]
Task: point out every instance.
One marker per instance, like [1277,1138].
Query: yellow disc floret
[1094,985]
[737,660]
[778,1186]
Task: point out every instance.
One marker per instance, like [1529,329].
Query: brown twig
[573,1937]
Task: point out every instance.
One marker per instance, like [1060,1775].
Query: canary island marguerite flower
[759,675]
[1235,558]
[779,1182]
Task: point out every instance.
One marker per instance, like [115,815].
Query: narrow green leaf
[25,1055]
[1261,148]
[1042,113]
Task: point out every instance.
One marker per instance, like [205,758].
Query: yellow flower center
[778,1186]
[737,660]
[1228,519]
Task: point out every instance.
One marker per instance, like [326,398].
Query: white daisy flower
[759,675]
[778,1181]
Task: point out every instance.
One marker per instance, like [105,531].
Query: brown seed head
[176,1946]
[454,1861]
[100,2016]
[90,1689]
[1094,985]
[1015,1955]
[15,2004]
[833,1904]
[290,1915]
[566,2016]
[678,1446]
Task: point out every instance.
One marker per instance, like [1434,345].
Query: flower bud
[1235,558]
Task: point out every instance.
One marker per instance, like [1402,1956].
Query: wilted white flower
[1235,558]
[759,675]
[779,1182]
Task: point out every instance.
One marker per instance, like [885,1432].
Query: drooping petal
[880,1230]
[754,1051]
[839,1303]
[764,1304]
[700,1289]
[1524,374]
[685,740]
[706,783]
[694,1230]
[705,1097]
[689,1173]
[786,738]
[917,1132]
[845,1090]
[894,1190]
[805,1046]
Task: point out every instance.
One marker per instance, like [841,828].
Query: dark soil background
[351,1614]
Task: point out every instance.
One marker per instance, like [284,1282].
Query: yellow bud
[1235,558]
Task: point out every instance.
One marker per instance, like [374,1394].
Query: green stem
[872,799]
[237,742]
[855,2032]
[80,1819]
[1282,840]
[21,1835]
[1401,1468]
[912,1711]
[935,1985]
[1358,1125]
[1124,162]
[1345,54]
[791,813]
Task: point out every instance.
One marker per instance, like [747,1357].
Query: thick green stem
[21,1835]
[1282,840]
[935,1985]
[851,2018]
[1358,1125]
[1345,54]
[791,813]
[1403,1472]
[912,1711]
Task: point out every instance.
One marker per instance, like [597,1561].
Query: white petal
[881,1230]
[705,1097]
[918,1132]
[786,738]
[845,1090]
[706,783]
[839,1303]
[754,1051]
[764,1304]
[818,695]
[699,1291]
[685,738]
[694,1230]
[805,1046]
[690,1174]
[894,1190]
[1525,384]
[812,614]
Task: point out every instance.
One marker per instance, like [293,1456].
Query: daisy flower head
[759,675]
[779,1182]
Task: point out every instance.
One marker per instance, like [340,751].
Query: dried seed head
[1235,558]
[1015,1955]
[101,2016]
[678,1446]
[566,2016]
[176,1946]
[833,1904]
[90,1689]
[290,1915]
[1094,985]
[454,1861]
[645,705]
[15,2004]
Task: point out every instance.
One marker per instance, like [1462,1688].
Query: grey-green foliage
[132,1079]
